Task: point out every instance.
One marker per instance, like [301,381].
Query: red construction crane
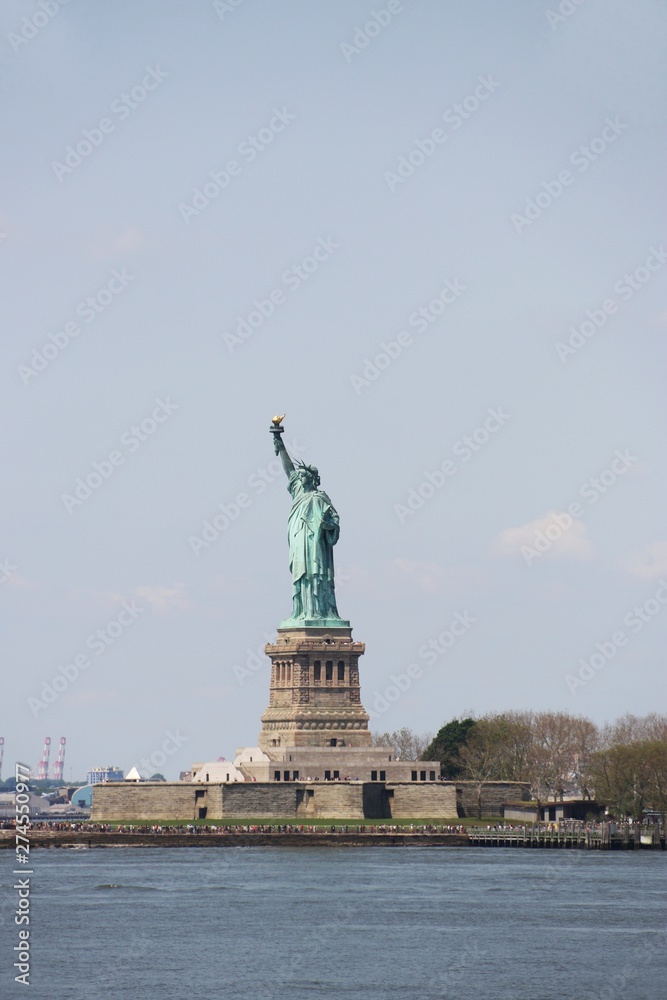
[59,765]
[2,753]
[43,767]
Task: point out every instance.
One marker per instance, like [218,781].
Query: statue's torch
[277,429]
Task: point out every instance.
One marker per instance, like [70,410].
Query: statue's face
[306,480]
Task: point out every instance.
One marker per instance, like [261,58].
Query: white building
[249,755]
[107,773]
[216,771]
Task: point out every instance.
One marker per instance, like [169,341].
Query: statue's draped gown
[313,530]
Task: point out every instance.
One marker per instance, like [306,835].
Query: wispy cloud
[106,248]
[648,562]
[159,598]
[556,532]
[164,598]
[19,581]
[432,577]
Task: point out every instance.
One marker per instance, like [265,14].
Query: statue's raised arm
[281,451]
[278,446]
[313,530]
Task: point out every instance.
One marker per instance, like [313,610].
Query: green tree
[408,744]
[446,746]
[586,743]
[552,758]
[631,777]
[517,743]
[483,756]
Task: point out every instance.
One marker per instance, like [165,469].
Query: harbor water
[266,923]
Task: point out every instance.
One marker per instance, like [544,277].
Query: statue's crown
[311,470]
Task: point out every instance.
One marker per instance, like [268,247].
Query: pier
[601,837]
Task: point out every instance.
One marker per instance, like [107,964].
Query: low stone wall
[177,800]
[304,800]
[243,800]
[494,796]
[185,801]
[332,800]
[430,800]
[259,800]
[321,838]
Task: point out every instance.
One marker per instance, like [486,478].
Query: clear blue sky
[409,153]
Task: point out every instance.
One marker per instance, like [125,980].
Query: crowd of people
[196,829]
[204,829]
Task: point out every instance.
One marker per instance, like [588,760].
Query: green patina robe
[313,530]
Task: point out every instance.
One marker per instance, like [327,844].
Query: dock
[602,837]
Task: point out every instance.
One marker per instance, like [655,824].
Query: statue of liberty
[312,531]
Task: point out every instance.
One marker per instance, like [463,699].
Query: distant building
[39,805]
[82,798]
[312,763]
[99,774]
[551,812]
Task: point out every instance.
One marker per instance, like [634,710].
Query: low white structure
[333,763]
[249,755]
[215,771]
[133,775]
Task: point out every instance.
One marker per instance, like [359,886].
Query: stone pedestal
[315,697]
